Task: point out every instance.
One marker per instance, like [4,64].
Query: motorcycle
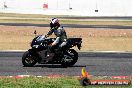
[39,52]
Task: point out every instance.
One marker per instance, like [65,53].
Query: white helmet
[54,22]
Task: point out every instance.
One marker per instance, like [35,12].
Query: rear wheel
[28,60]
[70,58]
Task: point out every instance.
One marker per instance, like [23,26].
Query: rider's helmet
[54,23]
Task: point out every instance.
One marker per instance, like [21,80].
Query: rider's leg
[61,45]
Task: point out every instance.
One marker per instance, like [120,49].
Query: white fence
[69,7]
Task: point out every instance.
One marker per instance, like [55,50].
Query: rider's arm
[49,33]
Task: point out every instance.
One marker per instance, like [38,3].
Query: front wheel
[28,60]
[70,58]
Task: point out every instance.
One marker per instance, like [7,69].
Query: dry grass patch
[18,38]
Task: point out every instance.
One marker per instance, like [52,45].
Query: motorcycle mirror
[35,32]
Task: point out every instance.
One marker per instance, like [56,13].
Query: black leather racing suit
[61,37]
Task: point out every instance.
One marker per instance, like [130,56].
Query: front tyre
[28,60]
[70,58]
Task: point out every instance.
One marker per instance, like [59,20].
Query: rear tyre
[70,58]
[28,60]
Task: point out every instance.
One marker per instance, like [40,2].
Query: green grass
[23,15]
[44,82]
[37,18]
[63,21]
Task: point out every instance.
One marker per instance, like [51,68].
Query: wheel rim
[71,54]
[67,58]
[29,59]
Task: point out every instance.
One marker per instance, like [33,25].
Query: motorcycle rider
[58,30]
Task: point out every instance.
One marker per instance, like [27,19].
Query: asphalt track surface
[96,63]
[70,25]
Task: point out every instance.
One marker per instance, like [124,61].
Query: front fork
[34,52]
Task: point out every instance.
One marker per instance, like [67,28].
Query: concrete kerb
[60,76]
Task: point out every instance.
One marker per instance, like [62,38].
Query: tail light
[79,45]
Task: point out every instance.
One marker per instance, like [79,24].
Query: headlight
[35,46]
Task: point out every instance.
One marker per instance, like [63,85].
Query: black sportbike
[40,53]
